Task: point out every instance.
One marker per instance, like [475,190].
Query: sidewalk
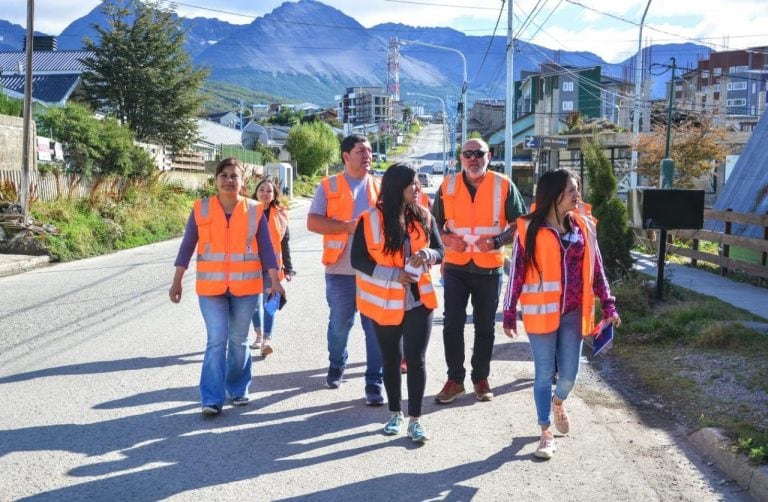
[739,294]
[11,264]
[712,442]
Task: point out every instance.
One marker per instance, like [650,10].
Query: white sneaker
[546,445]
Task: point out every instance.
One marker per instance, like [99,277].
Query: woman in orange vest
[394,245]
[231,237]
[557,272]
[267,192]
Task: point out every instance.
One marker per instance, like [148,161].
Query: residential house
[56,75]
[227,119]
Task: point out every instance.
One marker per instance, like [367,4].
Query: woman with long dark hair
[394,245]
[556,274]
[267,192]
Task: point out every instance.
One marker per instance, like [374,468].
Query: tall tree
[140,74]
[613,230]
[313,146]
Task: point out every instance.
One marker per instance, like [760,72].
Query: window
[704,73]
[754,88]
[736,102]
[716,87]
[737,86]
[717,72]
[738,69]
[567,106]
[568,86]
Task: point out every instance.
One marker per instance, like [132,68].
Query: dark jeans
[484,290]
[414,331]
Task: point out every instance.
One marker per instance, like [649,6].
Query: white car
[437,168]
[425,179]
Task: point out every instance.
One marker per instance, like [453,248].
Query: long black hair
[549,189]
[399,216]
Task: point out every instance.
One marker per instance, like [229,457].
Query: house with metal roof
[56,75]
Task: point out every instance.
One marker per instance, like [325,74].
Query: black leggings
[415,331]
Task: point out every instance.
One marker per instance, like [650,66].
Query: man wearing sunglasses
[475,210]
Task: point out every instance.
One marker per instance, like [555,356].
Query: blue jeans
[565,346]
[227,362]
[268,324]
[340,295]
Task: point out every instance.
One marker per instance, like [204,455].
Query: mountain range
[309,51]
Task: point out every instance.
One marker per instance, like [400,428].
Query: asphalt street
[99,375]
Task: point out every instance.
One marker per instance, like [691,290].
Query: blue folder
[603,339]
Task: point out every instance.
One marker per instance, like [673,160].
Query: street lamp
[442,102]
[464,82]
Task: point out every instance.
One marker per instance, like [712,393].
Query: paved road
[99,372]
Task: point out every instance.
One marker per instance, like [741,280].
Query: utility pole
[26,158]
[636,115]
[509,115]
[667,164]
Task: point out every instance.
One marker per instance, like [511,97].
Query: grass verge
[702,356]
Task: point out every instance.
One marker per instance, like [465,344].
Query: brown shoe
[562,423]
[266,348]
[483,391]
[450,391]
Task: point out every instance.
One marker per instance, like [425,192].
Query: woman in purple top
[552,243]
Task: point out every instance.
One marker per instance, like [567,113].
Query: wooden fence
[724,240]
[53,186]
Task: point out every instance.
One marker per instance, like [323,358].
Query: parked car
[378,173]
[425,179]
[379,157]
[437,168]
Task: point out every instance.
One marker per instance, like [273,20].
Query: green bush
[147,211]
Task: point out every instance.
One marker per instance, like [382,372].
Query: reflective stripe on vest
[478,217]
[541,296]
[341,206]
[227,251]
[383,300]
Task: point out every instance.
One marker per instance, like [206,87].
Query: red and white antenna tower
[393,75]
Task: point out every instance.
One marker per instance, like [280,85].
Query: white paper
[470,239]
[411,270]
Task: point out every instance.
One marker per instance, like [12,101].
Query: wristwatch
[496,242]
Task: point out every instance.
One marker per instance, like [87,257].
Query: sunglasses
[468,154]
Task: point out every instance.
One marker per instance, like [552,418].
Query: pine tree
[140,74]
[613,232]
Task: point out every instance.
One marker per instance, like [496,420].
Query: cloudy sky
[608,28]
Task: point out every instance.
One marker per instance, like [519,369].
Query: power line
[490,43]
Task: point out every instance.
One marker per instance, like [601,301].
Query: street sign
[531,142]
[554,143]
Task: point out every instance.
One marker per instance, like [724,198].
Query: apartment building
[364,105]
[732,85]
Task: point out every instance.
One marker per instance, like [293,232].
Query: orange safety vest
[278,224]
[228,252]
[384,301]
[341,206]
[423,200]
[542,294]
[485,215]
